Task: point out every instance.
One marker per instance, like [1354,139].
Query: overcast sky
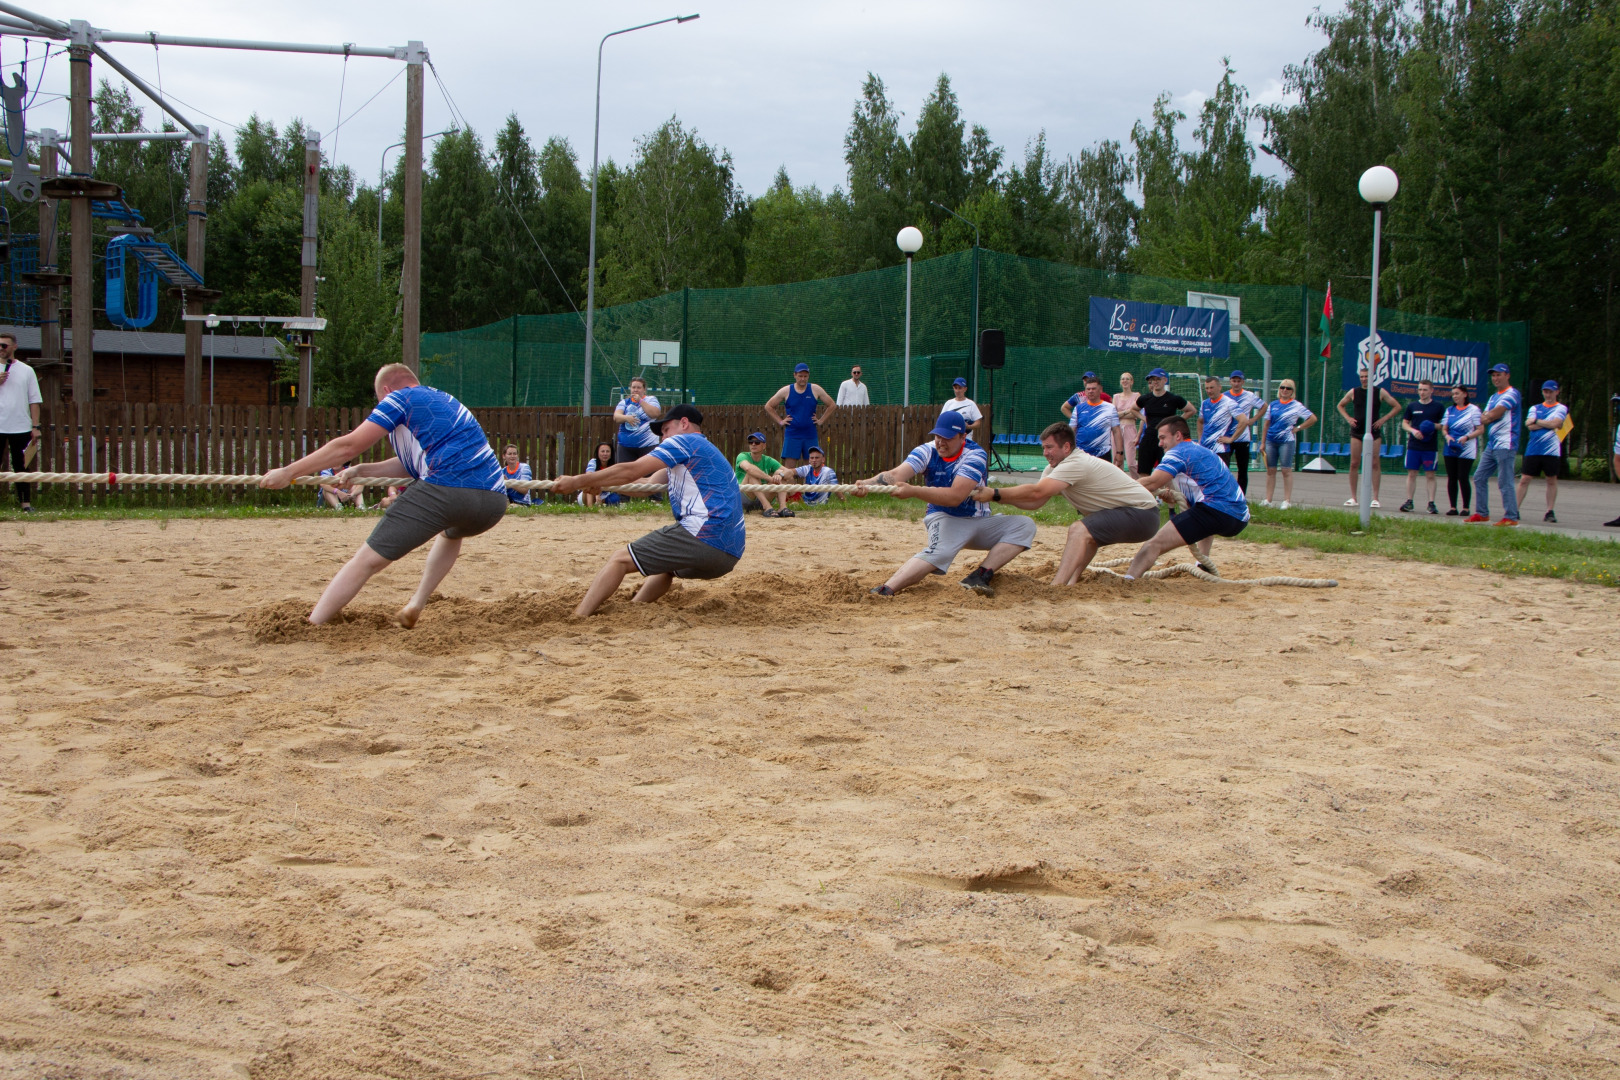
[773,83]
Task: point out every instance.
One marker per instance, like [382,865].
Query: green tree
[797,234]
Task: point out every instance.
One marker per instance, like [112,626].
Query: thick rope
[228,479]
[1202,574]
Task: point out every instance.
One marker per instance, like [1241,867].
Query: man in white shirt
[961,403]
[1114,508]
[19,411]
[852,391]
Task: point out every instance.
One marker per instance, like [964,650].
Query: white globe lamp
[1379,184]
[910,239]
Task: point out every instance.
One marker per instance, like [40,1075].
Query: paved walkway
[1583,507]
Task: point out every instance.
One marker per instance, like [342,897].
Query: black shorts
[423,511]
[1542,465]
[1201,521]
[623,453]
[673,550]
[1148,453]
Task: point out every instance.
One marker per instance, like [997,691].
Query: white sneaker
[1351,502]
[1265,502]
[1285,505]
[1375,504]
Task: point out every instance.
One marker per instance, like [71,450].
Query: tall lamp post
[596,146]
[910,240]
[382,181]
[1378,186]
[973,349]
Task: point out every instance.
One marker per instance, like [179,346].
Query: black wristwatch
[995,494]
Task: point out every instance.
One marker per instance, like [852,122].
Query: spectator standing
[1218,419]
[1215,505]
[1501,420]
[1095,423]
[852,391]
[800,425]
[816,473]
[1125,402]
[1461,425]
[1544,446]
[516,470]
[961,403]
[755,466]
[1246,403]
[1280,425]
[600,460]
[1614,464]
[19,412]
[1152,408]
[1421,421]
[1357,400]
[633,413]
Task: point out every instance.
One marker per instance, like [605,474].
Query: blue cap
[1089,375]
[958,381]
[815,450]
[1158,373]
[756,437]
[950,425]
[1550,384]
[1503,368]
[1238,374]
[1427,427]
[801,367]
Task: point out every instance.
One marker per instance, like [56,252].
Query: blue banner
[1168,329]
[1403,359]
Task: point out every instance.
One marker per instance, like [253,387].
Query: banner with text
[1403,359]
[1167,329]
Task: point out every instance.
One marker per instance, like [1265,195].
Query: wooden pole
[306,295]
[50,296]
[411,271]
[80,238]
[196,249]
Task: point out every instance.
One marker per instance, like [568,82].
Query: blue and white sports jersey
[1457,424]
[935,471]
[637,433]
[522,498]
[825,476]
[1246,403]
[1545,440]
[437,439]
[1203,477]
[609,498]
[1220,417]
[1093,425]
[1281,419]
[703,491]
[1504,434]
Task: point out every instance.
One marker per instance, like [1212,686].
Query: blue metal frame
[146,284]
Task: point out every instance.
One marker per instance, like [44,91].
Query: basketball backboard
[1232,304]
[660,354]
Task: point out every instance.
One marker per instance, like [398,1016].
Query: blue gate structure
[155,261]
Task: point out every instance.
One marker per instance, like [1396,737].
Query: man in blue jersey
[952,466]
[1215,504]
[800,423]
[706,539]
[1245,403]
[1095,423]
[1501,421]
[1218,419]
[1544,445]
[460,488]
[816,472]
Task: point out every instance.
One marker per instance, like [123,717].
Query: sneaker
[1453,512]
[1265,502]
[1508,523]
[1285,505]
[1433,509]
[786,513]
[1351,502]
[882,590]
[1375,504]
[979,582]
[1406,507]
[1550,516]
[1475,519]
[1615,524]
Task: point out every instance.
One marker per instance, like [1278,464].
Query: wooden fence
[135,438]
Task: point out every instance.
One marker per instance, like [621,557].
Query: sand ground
[777,827]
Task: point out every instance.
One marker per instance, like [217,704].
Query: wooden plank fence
[141,438]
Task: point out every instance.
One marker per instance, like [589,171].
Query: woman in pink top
[1124,401]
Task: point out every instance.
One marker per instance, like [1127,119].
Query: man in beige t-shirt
[1113,508]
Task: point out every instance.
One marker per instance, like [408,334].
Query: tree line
[1500,116]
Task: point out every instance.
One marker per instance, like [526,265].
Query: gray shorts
[673,550]
[1122,525]
[424,510]
[948,535]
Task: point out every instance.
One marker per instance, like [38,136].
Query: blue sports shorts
[797,444]
[1419,460]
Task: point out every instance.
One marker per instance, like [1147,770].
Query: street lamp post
[910,240]
[382,180]
[1378,186]
[596,145]
[973,349]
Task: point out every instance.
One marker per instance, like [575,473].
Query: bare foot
[406,616]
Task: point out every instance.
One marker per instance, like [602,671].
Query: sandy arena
[775,827]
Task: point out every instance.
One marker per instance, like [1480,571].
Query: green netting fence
[740,345]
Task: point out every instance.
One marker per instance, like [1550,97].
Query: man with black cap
[1153,407]
[706,539]
[1544,446]
[953,466]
